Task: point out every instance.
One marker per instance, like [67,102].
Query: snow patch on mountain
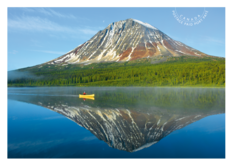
[145,24]
[180,51]
[129,56]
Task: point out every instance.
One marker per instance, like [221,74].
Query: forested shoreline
[183,71]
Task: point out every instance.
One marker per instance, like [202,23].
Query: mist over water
[124,121]
[170,98]
[12,75]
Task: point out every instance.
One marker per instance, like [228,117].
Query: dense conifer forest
[175,71]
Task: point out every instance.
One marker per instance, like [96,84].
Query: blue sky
[37,35]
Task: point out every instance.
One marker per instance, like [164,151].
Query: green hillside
[174,71]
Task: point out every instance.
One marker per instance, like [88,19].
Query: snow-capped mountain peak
[126,40]
[145,24]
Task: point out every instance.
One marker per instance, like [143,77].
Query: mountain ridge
[123,41]
[133,54]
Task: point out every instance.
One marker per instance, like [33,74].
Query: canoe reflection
[89,98]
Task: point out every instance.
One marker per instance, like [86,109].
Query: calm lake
[53,122]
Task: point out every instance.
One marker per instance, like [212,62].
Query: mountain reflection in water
[129,119]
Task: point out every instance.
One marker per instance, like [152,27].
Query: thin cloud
[50,12]
[13,52]
[51,52]
[70,16]
[210,39]
[27,9]
[43,11]
[44,25]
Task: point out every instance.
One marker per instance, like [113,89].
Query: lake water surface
[53,122]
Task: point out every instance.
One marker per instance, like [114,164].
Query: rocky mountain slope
[123,41]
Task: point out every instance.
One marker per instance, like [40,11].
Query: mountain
[149,58]
[126,40]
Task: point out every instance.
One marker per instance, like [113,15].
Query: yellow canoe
[87,96]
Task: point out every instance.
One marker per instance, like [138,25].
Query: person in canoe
[84,94]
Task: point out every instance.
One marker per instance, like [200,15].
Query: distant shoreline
[123,86]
